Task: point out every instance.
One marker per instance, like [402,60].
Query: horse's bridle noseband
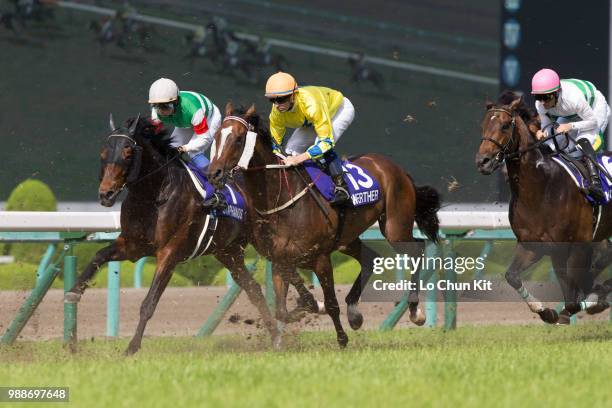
[502,155]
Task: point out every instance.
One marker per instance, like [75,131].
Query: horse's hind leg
[524,257]
[306,301]
[365,256]
[324,270]
[166,261]
[234,261]
[113,252]
[581,280]
[397,229]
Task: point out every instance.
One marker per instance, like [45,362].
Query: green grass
[473,366]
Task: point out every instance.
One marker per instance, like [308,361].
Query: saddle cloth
[582,181]
[363,188]
[235,209]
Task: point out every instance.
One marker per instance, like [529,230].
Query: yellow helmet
[280,84]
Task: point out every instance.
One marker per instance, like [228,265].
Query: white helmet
[163,90]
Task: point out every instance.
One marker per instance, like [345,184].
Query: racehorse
[361,73]
[548,213]
[304,232]
[162,216]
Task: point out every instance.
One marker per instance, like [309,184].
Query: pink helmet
[545,81]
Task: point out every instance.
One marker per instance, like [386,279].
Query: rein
[278,166]
[136,164]
[503,154]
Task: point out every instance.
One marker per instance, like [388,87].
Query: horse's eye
[506,126]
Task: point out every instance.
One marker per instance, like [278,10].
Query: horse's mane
[157,137]
[526,113]
[259,123]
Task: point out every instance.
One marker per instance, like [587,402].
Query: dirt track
[182,311]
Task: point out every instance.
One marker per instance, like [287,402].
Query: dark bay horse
[295,232]
[162,216]
[548,213]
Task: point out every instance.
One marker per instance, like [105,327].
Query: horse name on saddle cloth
[363,188]
[582,183]
[235,202]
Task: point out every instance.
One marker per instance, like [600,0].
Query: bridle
[502,154]
[136,163]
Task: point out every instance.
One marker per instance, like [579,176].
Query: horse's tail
[427,206]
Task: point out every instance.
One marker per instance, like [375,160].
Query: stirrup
[341,196]
[217,201]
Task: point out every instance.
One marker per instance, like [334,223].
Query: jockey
[195,119]
[319,115]
[576,107]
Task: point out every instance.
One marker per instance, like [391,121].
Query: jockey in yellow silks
[319,116]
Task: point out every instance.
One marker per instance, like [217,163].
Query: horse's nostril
[109,194]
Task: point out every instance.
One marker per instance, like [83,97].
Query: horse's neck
[267,187]
[148,187]
[529,173]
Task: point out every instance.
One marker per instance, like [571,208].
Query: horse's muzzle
[486,165]
[108,197]
[216,177]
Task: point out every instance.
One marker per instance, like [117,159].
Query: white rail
[21,221]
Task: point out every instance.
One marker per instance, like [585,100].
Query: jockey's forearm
[199,143]
[321,146]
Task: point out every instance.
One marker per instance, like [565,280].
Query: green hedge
[29,195]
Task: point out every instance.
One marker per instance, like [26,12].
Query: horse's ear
[516,103]
[229,109]
[132,128]
[250,112]
[111,123]
[489,105]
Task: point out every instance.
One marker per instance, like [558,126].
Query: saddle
[363,188]
[579,174]
[236,207]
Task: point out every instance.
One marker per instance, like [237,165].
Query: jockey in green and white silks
[194,117]
[578,109]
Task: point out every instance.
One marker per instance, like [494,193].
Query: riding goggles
[279,100]
[163,106]
[545,97]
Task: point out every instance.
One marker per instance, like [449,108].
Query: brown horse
[162,216]
[303,232]
[548,213]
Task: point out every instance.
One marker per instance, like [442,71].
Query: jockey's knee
[200,161]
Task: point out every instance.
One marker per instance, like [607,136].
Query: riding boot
[217,201]
[595,190]
[341,193]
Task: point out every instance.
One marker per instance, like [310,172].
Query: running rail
[69,221]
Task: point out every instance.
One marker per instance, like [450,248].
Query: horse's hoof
[572,308]
[277,342]
[598,308]
[342,340]
[549,315]
[72,297]
[308,303]
[564,319]
[417,317]
[355,317]
[130,351]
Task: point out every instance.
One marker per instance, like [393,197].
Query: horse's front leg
[324,270]
[280,281]
[524,257]
[233,260]
[166,261]
[114,252]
